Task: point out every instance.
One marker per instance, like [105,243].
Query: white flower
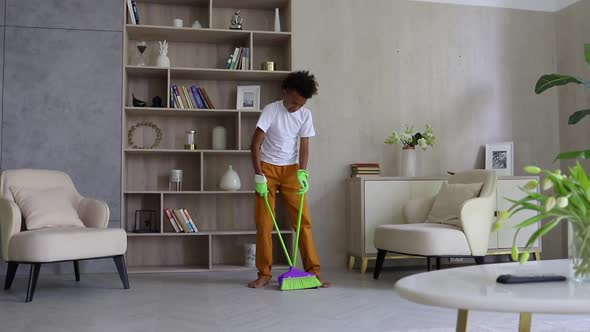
[406,138]
[422,143]
[562,202]
[550,204]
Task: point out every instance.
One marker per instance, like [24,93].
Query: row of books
[240,59]
[133,12]
[181,220]
[192,97]
[364,169]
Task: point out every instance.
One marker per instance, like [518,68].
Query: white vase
[230,181]
[163,61]
[250,254]
[219,138]
[409,162]
[277,21]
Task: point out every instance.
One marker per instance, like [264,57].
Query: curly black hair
[302,82]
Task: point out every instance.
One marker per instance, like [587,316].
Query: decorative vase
[230,181]
[277,21]
[250,254]
[580,257]
[219,138]
[408,161]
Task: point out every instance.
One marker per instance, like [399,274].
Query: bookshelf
[197,57]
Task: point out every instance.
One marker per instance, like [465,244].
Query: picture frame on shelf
[500,158]
[248,97]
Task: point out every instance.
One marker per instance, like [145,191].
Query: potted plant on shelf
[563,197]
[409,140]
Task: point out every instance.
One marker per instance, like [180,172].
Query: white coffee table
[475,288]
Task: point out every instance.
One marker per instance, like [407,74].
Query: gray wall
[573,31]
[468,71]
[61,106]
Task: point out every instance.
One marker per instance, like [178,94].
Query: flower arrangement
[410,139]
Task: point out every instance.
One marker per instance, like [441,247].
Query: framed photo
[500,158]
[248,97]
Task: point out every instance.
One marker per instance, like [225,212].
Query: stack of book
[192,97]
[133,13]
[364,169]
[181,220]
[240,59]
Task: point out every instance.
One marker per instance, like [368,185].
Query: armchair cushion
[424,239]
[66,243]
[447,205]
[51,207]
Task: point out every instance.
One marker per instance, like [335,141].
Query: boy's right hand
[261,186]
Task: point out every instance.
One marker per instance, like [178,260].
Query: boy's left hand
[302,176]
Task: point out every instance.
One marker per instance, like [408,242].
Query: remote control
[521,279]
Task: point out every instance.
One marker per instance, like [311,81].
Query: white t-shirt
[282,130]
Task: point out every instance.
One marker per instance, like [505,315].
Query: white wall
[468,71]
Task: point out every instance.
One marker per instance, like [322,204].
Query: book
[172,98]
[190,220]
[234,58]
[197,97]
[202,97]
[179,219]
[204,94]
[135,11]
[189,99]
[365,165]
[177,96]
[186,102]
[172,221]
[131,14]
[247,58]
[228,64]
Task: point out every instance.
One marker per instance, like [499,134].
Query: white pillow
[447,205]
[43,208]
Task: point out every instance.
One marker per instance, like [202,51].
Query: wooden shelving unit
[197,56]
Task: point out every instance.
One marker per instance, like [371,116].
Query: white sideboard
[377,201]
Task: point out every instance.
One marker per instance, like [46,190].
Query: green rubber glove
[261,186]
[302,176]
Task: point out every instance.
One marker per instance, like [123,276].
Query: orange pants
[283,179]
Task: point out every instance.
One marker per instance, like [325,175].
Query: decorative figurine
[236,21]
[163,60]
[137,102]
[157,102]
[141,48]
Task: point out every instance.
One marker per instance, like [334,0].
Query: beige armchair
[55,244]
[419,237]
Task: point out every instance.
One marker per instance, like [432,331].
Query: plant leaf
[582,154]
[549,81]
[532,220]
[542,231]
[577,116]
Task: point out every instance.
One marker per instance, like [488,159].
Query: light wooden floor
[221,302]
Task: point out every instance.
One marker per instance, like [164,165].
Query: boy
[277,167]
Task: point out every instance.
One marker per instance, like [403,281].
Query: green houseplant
[564,197]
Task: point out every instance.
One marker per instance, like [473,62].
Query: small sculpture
[163,60]
[137,102]
[236,21]
[157,102]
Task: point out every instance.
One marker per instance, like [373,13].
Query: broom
[293,279]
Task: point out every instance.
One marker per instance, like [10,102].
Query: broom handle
[278,230]
[298,229]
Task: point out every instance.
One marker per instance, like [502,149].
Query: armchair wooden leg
[122,268]
[428,264]
[33,277]
[379,263]
[438,263]
[479,260]
[10,273]
[77,270]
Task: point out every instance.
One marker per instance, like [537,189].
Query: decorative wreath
[144,124]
